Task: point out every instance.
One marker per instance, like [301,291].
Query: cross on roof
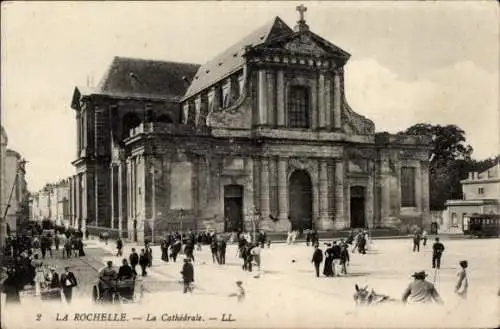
[301,9]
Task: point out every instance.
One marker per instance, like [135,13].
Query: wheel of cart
[125,290]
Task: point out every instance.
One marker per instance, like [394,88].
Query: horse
[366,297]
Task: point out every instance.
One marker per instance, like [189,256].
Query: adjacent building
[261,132]
[52,203]
[3,191]
[481,195]
[16,196]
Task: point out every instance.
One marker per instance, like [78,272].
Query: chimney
[471,175]
[476,175]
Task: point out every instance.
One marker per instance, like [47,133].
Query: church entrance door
[300,198]
[233,208]
[357,206]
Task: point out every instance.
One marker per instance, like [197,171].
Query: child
[240,294]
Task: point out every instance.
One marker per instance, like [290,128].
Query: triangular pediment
[306,43]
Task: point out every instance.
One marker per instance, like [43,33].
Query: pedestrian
[12,286]
[119,247]
[57,240]
[308,237]
[424,237]
[222,251]
[362,243]
[143,262]
[421,291]
[68,282]
[344,258]
[164,250]
[327,267]
[317,259]
[336,250]
[134,260]
[462,280]
[187,275]
[416,242]
[437,252]
[240,292]
[53,278]
[213,249]
[176,249]
[37,265]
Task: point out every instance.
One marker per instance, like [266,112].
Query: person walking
[328,266]
[424,238]
[462,280]
[336,250]
[68,282]
[119,247]
[437,252]
[317,259]
[134,260]
[187,275]
[344,258]
[416,242]
[222,251]
[143,262]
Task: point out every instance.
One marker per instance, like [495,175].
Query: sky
[412,62]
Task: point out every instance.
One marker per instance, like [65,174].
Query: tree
[450,161]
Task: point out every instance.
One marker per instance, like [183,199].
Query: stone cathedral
[260,135]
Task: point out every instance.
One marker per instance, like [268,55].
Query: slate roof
[232,60]
[133,77]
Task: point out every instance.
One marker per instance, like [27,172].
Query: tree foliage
[451,161]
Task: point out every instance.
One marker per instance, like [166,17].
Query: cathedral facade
[260,136]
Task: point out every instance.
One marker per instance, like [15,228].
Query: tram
[482,225]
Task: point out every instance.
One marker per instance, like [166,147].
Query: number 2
[38,317]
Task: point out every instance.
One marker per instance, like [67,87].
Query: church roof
[133,77]
[232,59]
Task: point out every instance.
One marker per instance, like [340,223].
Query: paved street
[288,290]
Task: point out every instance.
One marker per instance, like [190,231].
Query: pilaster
[324,222]
[321,101]
[337,100]
[283,200]
[263,119]
[339,195]
[280,101]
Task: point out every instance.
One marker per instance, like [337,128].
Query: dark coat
[134,258]
[72,279]
[187,272]
[317,256]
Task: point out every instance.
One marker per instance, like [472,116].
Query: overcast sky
[411,62]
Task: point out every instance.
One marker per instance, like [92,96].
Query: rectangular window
[298,107]
[480,190]
[408,195]
[181,186]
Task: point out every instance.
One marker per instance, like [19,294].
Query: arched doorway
[300,198]
[357,206]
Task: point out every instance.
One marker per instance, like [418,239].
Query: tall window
[298,107]
[454,220]
[408,197]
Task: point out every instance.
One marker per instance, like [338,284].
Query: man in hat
[68,282]
[187,274]
[462,281]
[421,291]
[437,252]
[53,278]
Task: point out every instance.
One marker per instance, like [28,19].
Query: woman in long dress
[328,269]
[37,264]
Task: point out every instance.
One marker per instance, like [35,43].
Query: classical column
[339,195]
[325,223]
[78,200]
[120,198]
[370,196]
[262,98]
[328,103]
[78,134]
[264,188]
[337,101]
[284,224]
[271,98]
[321,101]
[280,100]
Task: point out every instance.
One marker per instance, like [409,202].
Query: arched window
[454,220]
[298,107]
